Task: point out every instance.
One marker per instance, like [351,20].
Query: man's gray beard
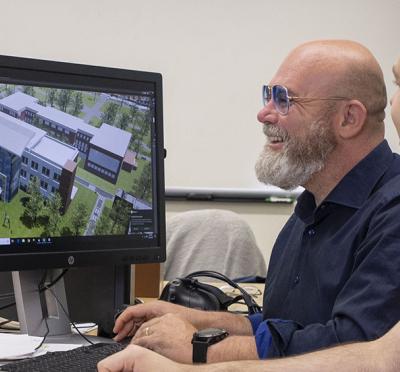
[300,159]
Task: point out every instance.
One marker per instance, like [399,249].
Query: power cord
[251,304]
[40,290]
[42,287]
[69,319]
[44,309]
[5,322]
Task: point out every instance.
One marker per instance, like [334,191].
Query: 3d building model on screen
[72,162]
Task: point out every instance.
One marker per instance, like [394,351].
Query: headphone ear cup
[191,293]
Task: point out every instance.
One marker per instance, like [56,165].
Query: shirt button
[311,232]
[296,279]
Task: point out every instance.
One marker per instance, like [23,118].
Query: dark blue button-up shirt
[334,273]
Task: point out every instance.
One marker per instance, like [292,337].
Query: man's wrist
[233,348]
[233,323]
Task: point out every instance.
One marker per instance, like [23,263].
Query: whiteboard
[214,56]
[269,194]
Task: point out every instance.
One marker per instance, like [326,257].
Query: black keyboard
[81,359]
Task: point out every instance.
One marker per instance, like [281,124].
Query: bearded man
[334,271]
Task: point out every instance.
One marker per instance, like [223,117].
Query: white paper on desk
[58,347]
[14,346]
[83,327]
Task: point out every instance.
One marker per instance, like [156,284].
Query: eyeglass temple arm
[305,99]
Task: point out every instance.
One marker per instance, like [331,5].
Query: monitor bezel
[100,250]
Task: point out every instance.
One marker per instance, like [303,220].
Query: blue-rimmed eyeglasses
[282,100]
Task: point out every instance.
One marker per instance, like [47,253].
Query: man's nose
[268,114]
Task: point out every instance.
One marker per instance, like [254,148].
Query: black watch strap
[200,351]
[204,338]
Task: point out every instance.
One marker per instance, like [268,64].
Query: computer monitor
[81,176]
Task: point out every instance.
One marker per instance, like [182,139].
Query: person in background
[358,308]
[395,100]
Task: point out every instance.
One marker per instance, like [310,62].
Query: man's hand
[134,316]
[169,335]
[137,359]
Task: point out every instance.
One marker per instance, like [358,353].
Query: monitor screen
[81,165]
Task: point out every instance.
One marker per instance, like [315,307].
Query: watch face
[210,332]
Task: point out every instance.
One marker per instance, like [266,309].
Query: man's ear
[353,118]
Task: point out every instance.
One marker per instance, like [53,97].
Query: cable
[4,322]
[42,287]
[69,319]
[55,280]
[40,290]
[45,335]
[251,304]
[48,287]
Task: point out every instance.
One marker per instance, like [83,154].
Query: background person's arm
[376,356]
[381,355]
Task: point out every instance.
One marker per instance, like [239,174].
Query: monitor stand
[41,312]
[35,309]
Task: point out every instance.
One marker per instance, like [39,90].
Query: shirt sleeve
[255,320]
[263,334]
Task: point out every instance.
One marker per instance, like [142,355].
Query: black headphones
[189,292]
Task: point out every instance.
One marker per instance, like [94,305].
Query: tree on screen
[51,94]
[119,215]
[132,113]
[141,130]
[54,206]
[63,99]
[35,203]
[77,103]
[123,120]
[29,90]
[10,89]
[110,113]
[103,224]
[79,218]
[142,185]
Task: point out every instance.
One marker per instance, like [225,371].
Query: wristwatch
[202,339]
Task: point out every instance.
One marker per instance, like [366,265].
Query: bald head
[342,68]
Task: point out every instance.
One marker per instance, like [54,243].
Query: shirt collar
[356,186]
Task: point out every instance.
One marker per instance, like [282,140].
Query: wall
[214,56]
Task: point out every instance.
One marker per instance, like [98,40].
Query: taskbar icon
[24,241]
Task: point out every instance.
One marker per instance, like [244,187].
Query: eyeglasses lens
[281,99]
[279,95]
[266,94]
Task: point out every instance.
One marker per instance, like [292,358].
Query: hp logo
[71,260]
